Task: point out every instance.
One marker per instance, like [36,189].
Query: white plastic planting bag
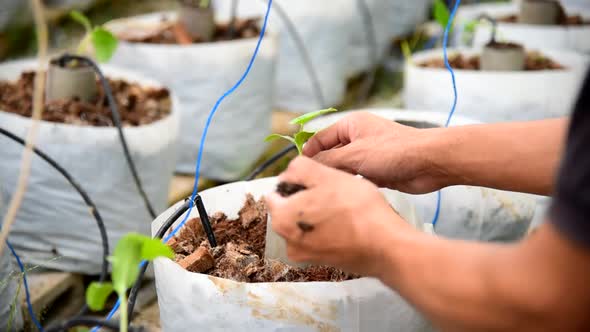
[191,301]
[199,74]
[325,28]
[10,301]
[54,227]
[559,37]
[496,96]
[470,213]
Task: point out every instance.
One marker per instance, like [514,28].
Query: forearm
[465,286]
[522,156]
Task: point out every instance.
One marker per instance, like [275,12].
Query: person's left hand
[349,218]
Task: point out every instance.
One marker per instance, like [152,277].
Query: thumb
[346,158]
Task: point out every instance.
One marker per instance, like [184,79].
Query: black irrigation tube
[89,321]
[117,121]
[315,82]
[103,233]
[274,158]
[494,23]
[373,49]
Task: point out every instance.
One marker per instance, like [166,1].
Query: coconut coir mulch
[239,255]
[534,61]
[571,20]
[137,105]
[175,33]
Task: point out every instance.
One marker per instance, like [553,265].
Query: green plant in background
[302,136]
[441,13]
[131,250]
[103,41]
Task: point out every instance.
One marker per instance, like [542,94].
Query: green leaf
[105,44]
[82,329]
[272,137]
[470,26]
[154,248]
[125,261]
[97,295]
[441,13]
[305,118]
[82,19]
[300,139]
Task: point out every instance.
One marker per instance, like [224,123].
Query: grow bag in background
[559,37]
[470,213]
[191,301]
[198,74]
[496,96]
[325,27]
[54,228]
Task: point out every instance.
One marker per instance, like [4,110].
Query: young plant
[302,136]
[104,42]
[441,13]
[131,250]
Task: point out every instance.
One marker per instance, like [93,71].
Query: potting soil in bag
[198,74]
[216,301]
[54,227]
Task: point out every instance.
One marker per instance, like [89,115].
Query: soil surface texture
[534,61]
[175,33]
[137,105]
[565,20]
[287,189]
[239,255]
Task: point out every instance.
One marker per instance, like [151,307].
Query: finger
[306,172]
[336,134]
[345,158]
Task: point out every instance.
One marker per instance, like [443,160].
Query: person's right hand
[387,153]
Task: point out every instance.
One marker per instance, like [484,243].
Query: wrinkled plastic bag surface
[470,213]
[192,301]
[199,74]
[496,96]
[574,38]
[54,228]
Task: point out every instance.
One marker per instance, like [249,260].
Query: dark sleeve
[570,210]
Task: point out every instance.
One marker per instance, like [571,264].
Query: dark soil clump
[137,105]
[169,33]
[504,45]
[571,20]
[287,189]
[534,61]
[239,255]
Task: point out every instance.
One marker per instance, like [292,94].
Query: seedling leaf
[153,248]
[82,19]
[300,139]
[97,294]
[272,137]
[305,118]
[441,13]
[105,44]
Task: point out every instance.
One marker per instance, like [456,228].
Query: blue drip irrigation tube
[453,107]
[202,143]
[26,284]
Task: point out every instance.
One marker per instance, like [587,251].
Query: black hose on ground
[373,54]
[273,159]
[117,121]
[92,207]
[292,30]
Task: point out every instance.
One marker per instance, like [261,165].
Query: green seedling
[103,41]
[441,13]
[131,250]
[301,136]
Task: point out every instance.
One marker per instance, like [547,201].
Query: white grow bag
[325,28]
[575,38]
[496,96]
[53,216]
[190,301]
[199,74]
[9,280]
[469,213]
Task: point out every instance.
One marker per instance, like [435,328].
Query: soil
[175,33]
[286,189]
[239,255]
[504,45]
[137,105]
[565,20]
[534,61]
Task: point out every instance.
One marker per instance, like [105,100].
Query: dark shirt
[570,210]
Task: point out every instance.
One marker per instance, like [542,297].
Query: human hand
[387,153]
[347,218]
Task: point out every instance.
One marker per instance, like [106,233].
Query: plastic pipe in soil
[117,120]
[204,136]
